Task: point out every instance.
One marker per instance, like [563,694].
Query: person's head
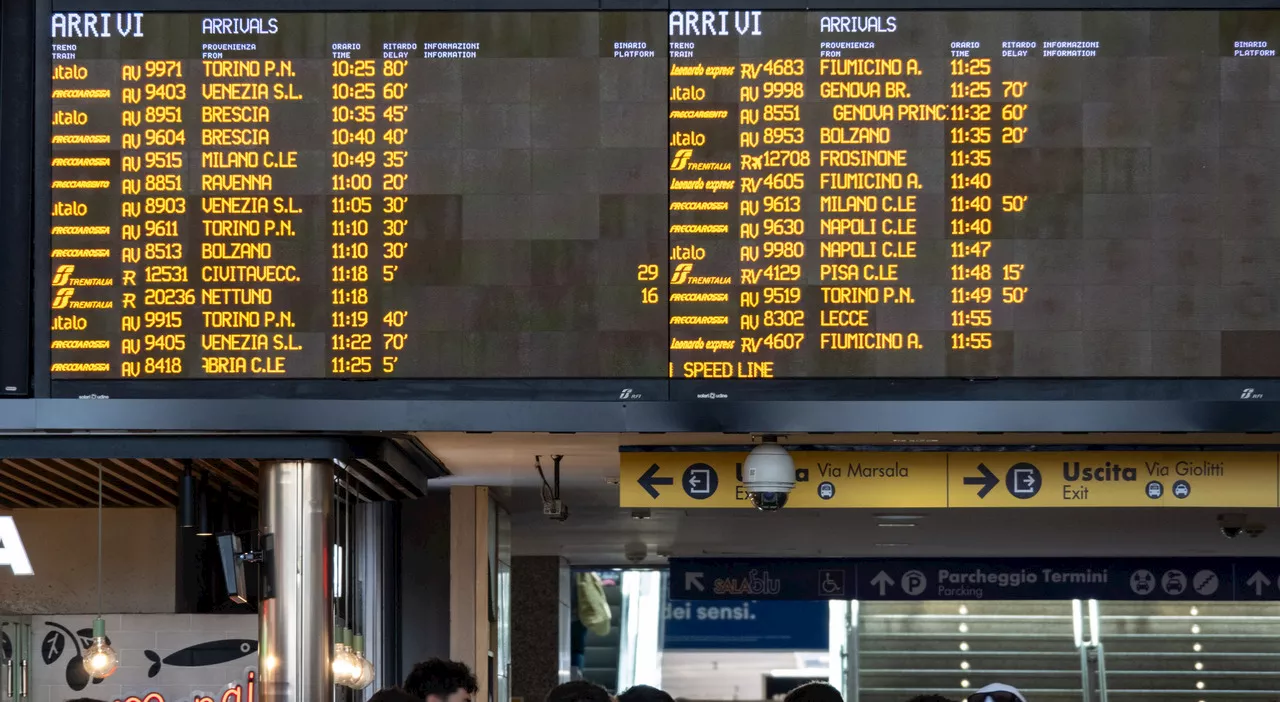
[930,698]
[392,694]
[814,692]
[578,691]
[439,680]
[644,693]
[997,692]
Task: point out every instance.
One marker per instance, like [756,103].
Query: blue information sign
[746,625]
[1153,579]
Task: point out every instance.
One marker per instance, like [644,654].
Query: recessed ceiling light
[890,545]
[899,517]
[887,525]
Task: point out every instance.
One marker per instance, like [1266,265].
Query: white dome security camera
[768,476]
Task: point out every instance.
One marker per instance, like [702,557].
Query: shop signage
[922,480]
[12,553]
[237,693]
[747,625]
[1139,579]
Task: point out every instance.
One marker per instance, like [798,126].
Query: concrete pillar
[540,618]
[469,630]
[295,622]
[469,580]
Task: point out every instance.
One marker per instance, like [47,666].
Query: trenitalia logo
[63,275]
[683,160]
[681,276]
[63,298]
[681,273]
[62,278]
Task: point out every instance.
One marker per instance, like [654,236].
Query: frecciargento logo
[683,161]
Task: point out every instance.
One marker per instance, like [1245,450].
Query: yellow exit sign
[906,480]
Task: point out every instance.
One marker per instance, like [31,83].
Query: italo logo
[63,275]
[683,160]
[12,553]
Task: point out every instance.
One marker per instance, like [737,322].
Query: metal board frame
[852,405]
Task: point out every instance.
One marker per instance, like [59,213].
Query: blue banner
[746,625]
[1153,579]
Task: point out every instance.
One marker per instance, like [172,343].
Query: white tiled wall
[134,634]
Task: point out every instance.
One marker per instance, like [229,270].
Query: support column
[469,631]
[295,622]
[540,618]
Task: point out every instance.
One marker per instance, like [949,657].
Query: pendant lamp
[345,665]
[100,659]
[365,675]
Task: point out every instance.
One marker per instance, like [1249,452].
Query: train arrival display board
[690,194]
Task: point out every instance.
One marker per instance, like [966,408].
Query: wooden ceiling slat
[17,498]
[251,473]
[157,500]
[13,480]
[93,476]
[222,469]
[358,471]
[169,475]
[87,493]
[172,490]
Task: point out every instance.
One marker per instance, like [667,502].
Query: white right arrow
[693,581]
[1257,582]
[882,581]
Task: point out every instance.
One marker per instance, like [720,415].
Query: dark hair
[392,694]
[930,698]
[440,678]
[578,691]
[644,693]
[814,692]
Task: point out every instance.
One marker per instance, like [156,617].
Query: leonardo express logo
[682,275]
[683,161]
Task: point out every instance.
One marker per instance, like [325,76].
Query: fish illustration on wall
[203,654]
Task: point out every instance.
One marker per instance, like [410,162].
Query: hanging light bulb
[365,676]
[100,659]
[345,666]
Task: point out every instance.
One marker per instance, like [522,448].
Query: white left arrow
[693,581]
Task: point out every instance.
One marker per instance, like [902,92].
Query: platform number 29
[647,272]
